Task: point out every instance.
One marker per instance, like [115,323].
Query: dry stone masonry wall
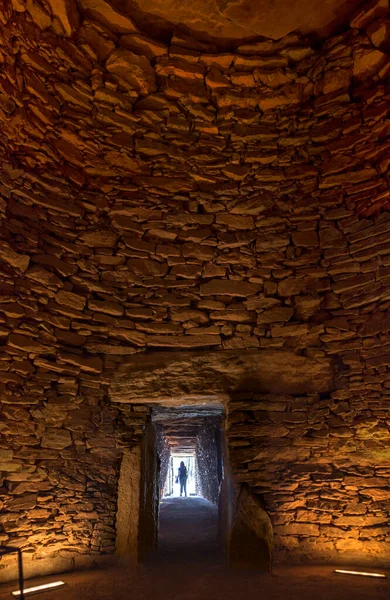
[207,461]
[184,196]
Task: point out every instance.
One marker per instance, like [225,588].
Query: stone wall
[207,461]
[164,455]
[323,501]
[156,197]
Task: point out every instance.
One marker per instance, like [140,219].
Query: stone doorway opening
[172,381]
[194,433]
[188,526]
[172,485]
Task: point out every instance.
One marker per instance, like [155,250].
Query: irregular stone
[90,365]
[183,341]
[225,287]
[235,222]
[265,62]
[26,502]
[253,206]
[347,178]
[372,10]
[275,315]
[56,438]
[306,306]
[105,13]
[99,239]
[190,315]
[66,12]
[359,521]
[44,277]
[298,529]
[140,44]
[38,14]
[289,330]
[305,238]
[291,287]
[236,172]
[367,63]
[8,255]
[135,70]
[28,344]
[379,34]
[287,95]
[223,61]
[70,299]
[105,306]
[272,79]
[62,267]
[109,349]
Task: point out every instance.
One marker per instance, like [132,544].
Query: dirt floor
[189,566]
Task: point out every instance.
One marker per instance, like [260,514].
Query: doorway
[188,525]
[172,485]
[222,519]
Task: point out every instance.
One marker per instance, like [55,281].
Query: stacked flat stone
[158,197]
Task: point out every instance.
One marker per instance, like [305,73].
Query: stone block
[367,63]
[305,238]
[183,341]
[226,287]
[56,438]
[16,260]
[251,537]
[298,529]
[105,13]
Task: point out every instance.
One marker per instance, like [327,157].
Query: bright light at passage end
[39,588]
[360,573]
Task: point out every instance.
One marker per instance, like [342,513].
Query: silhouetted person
[182,475]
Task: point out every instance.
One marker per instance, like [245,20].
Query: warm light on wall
[39,588]
[359,573]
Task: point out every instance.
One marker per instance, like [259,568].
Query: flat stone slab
[198,377]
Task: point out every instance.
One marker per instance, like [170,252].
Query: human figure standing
[182,475]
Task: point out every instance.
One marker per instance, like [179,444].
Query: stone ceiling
[238,19]
[181,426]
[164,195]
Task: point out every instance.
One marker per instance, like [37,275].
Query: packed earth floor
[189,566]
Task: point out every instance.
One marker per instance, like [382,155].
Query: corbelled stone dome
[194,207]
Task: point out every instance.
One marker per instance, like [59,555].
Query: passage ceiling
[181,426]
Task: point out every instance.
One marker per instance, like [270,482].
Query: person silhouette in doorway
[182,476]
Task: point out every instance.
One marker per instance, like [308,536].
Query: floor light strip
[360,573]
[39,588]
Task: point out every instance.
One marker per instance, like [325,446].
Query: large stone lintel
[205,377]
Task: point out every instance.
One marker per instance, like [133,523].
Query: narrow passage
[188,531]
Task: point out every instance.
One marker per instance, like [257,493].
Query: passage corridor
[188,531]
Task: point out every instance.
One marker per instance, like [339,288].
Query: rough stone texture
[212,376]
[207,460]
[251,536]
[243,18]
[241,204]
[129,490]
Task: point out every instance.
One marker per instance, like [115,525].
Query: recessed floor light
[360,573]
[39,588]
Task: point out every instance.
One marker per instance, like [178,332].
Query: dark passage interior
[188,526]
